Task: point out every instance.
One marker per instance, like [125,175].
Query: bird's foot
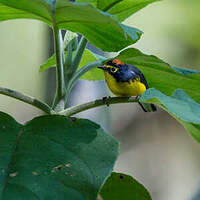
[137,98]
[106,100]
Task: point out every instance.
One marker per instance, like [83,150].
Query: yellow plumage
[132,88]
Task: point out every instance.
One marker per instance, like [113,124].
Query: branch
[27,99]
[99,102]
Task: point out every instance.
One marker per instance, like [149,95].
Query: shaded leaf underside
[180,106]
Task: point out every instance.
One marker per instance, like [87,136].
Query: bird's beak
[102,67]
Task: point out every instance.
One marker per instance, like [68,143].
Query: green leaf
[121,9]
[161,75]
[51,62]
[100,28]
[35,9]
[121,186]
[53,157]
[9,131]
[180,106]
[125,8]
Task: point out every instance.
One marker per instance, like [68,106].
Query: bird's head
[119,70]
[112,66]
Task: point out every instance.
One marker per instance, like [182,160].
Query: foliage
[179,105]
[119,186]
[66,154]
[57,157]
[87,57]
[161,75]
[81,18]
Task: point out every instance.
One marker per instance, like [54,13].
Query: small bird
[125,80]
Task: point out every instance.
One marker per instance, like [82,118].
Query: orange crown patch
[117,61]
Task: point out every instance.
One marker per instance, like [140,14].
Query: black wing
[138,73]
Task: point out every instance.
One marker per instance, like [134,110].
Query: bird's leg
[137,97]
[105,100]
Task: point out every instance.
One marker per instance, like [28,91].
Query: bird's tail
[146,107]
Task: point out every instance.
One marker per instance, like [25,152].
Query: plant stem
[27,99]
[68,64]
[99,102]
[78,55]
[78,74]
[60,91]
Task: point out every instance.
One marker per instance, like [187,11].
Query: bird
[125,80]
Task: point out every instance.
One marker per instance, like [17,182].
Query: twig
[79,73]
[99,102]
[27,99]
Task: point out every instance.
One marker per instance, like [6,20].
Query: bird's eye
[113,69]
[138,78]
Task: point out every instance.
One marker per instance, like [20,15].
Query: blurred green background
[155,149]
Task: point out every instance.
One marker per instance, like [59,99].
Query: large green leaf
[100,28]
[121,9]
[161,75]
[35,9]
[180,106]
[53,157]
[121,186]
[9,130]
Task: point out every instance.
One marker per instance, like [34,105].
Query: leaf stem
[79,53]
[60,91]
[78,74]
[82,71]
[27,99]
[99,102]
[68,64]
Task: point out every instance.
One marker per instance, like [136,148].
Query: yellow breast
[132,88]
